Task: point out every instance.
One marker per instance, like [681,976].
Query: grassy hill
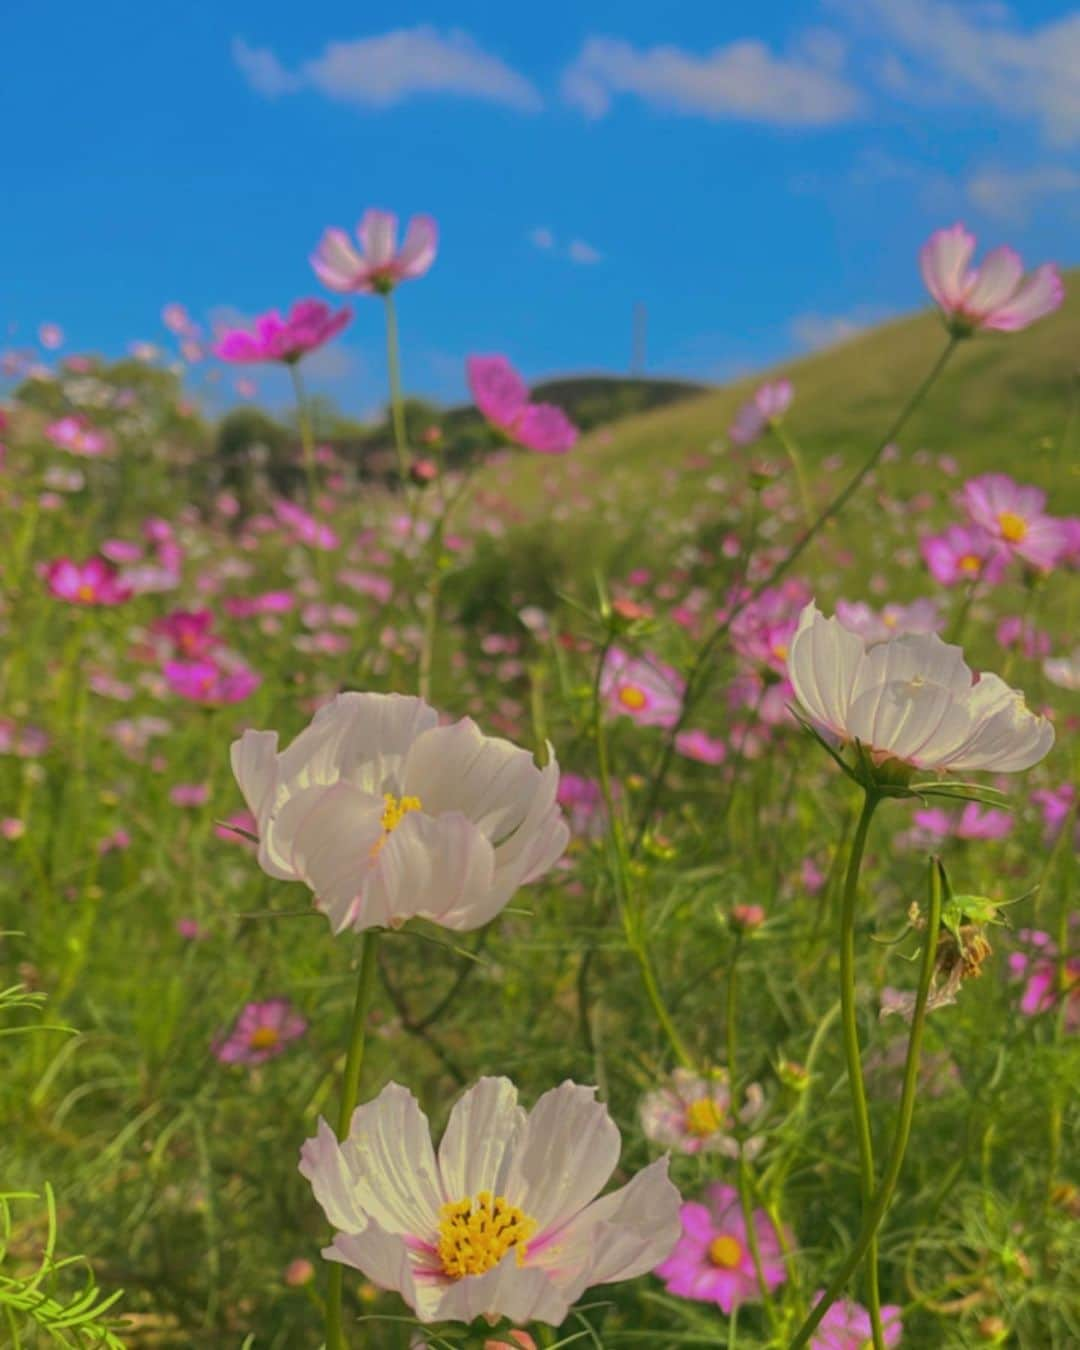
[1006,402]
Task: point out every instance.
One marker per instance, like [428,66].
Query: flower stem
[865,1243]
[350,1091]
[307,438]
[397,410]
[794,454]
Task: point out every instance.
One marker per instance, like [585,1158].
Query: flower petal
[480,1135]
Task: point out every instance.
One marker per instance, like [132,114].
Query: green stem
[795,456]
[697,678]
[307,438]
[397,411]
[350,1092]
[876,1212]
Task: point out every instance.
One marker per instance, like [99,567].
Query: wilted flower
[846,1326]
[501,395]
[646,690]
[692,1113]
[990,296]
[382,264]
[261,1032]
[310,324]
[504,1222]
[94,582]
[384,814]
[712,1262]
[912,699]
[1013,515]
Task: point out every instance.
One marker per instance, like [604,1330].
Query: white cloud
[978,52]
[380,71]
[581,252]
[541,237]
[742,80]
[1011,195]
[814,331]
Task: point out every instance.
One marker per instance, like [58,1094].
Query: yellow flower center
[1012,527]
[725,1251]
[971,564]
[85,592]
[703,1117]
[395,809]
[630,696]
[475,1234]
[780,651]
[889,620]
[264,1038]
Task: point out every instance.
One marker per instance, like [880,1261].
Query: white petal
[567,1152]
[480,1135]
[333,844]
[322,1163]
[823,666]
[443,869]
[509,1290]
[995,281]
[378,235]
[385,1260]
[388,1153]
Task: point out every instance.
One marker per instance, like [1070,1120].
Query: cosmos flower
[207,681]
[1064,671]
[310,324]
[382,264]
[188,631]
[699,745]
[384,814]
[712,1262]
[846,1326]
[77,436]
[1013,515]
[646,690]
[1038,965]
[991,296]
[692,1113]
[504,1220]
[303,527]
[767,405]
[963,554]
[912,699]
[261,1032]
[94,582]
[501,395]
[920,616]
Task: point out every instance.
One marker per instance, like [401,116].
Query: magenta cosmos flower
[1014,515]
[386,815]
[846,1326]
[501,395]
[963,554]
[712,1262]
[189,631]
[767,405]
[646,690]
[77,436]
[991,296]
[310,324]
[504,1221]
[94,582]
[261,1032]
[382,264]
[208,682]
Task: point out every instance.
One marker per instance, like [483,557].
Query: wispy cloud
[945,52]
[1012,194]
[743,80]
[577,251]
[581,252]
[380,71]
[541,237]
[814,331]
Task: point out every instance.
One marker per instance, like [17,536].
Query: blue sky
[759,177]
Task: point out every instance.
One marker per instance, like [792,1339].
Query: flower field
[606,889]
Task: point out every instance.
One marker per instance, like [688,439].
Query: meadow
[831,978]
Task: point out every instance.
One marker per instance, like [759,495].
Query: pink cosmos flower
[692,1113]
[27,742]
[1064,671]
[963,554]
[846,1326]
[1055,805]
[208,682]
[973,822]
[236,827]
[189,794]
[701,746]
[990,296]
[189,632]
[921,616]
[762,631]
[310,324]
[77,436]
[250,606]
[501,395]
[304,527]
[261,1032]
[1039,966]
[648,691]
[1014,631]
[381,265]
[51,336]
[711,1262]
[583,802]
[1013,515]
[94,582]
[177,320]
[766,406]
[506,1219]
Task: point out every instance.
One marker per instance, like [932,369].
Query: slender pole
[350,1092]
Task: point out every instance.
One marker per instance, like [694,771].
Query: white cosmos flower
[912,699]
[1064,671]
[386,815]
[504,1222]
